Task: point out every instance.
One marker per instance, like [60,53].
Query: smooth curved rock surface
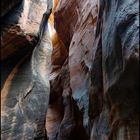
[22,23]
[25,94]
[7,5]
[81,81]
[115,72]
[77,28]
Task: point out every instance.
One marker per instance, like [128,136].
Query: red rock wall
[77,32]
[90,78]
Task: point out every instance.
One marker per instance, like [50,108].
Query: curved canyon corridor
[69,69]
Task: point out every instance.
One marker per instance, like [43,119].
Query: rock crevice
[70,70]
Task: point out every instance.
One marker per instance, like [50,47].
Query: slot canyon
[69,69]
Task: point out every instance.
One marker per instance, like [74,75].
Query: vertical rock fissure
[70,70]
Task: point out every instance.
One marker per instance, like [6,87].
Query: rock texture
[103,66]
[115,72]
[7,5]
[78,30]
[81,81]
[25,93]
[20,23]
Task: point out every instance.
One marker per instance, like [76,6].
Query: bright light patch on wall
[51,29]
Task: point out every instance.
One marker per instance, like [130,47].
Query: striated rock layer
[75,24]
[20,24]
[115,72]
[103,66]
[26,89]
[80,82]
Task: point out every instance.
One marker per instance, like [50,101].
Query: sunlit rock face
[26,88]
[114,95]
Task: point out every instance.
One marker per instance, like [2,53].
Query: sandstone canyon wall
[26,88]
[81,81]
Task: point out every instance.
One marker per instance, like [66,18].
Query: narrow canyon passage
[70,70]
